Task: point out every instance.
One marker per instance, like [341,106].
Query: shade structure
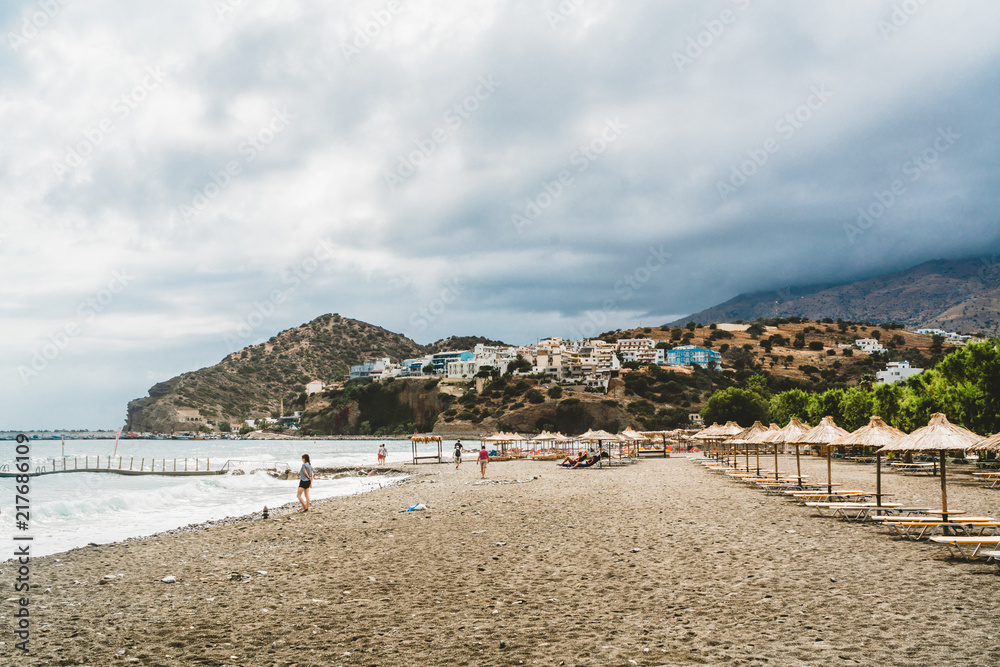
[757,438]
[792,434]
[991,444]
[824,434]
[503,439]
[772,437]
[600,437]
[414,439]
[875,434]
[728,430]
[744,438]
[940,436]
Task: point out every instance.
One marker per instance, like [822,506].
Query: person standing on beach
[383,454]
[484,458]
[458,453]
[305,482]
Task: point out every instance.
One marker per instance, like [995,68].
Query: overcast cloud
[170,172]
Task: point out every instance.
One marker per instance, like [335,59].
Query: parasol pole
[775,461]
[756,453]
[798,465]
[878,478]
[944,490]
[829,469]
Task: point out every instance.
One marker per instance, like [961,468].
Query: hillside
[955,295]
[253,382]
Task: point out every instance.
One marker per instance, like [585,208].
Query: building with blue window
[441,359]
[689,355]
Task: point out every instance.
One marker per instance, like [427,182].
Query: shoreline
[660,562]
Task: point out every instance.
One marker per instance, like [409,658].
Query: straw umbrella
[940,436]
[600,437]
[772,437]
[792,434]
[825,433]
[744,438]
[875,434]
[730,429]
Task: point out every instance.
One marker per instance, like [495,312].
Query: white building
[897,371]
[314,387]
[950,335]
[869,345]
[635,344]
[645,357]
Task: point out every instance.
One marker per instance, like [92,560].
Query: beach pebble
[833,580]
[169,580]
[501,544]
[261,571]
[636,550]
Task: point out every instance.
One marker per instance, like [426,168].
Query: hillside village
[652,378]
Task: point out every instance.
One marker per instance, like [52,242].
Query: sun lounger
[918,530]
[958,546]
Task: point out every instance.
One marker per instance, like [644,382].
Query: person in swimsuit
[484,458]
[305,482]
[458,453]
[383,454]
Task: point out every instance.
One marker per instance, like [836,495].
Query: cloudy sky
[178,180]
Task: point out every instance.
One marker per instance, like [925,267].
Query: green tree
[856,406]
[827,403]
[743,406]
[555,392]
[788,404]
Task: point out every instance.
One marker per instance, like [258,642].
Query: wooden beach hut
[940,436]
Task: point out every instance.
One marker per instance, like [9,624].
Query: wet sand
[658,563]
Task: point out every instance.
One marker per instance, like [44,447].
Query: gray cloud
[698,90]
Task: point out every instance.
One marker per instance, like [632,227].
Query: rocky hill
[254,381]
[955,295]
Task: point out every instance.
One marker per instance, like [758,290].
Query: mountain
[955,295]
[253,381]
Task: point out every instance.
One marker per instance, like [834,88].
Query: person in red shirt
[484,458]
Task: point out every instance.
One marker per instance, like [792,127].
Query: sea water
[75,509]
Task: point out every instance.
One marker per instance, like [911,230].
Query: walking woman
[484,458]
[305,482]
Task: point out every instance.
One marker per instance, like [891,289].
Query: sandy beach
[658,563]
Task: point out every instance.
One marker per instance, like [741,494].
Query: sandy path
[536,566]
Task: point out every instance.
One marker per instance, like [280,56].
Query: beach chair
[958,546]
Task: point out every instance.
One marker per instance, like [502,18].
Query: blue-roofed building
[688,355]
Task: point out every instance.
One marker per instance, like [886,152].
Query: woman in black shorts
[305,481]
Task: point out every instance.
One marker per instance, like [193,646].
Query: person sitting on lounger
[571,461]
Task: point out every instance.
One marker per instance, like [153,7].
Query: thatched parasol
[745,436]
[875,434]
[772,437]
[600,437]
[940,436]
[991,444]
[792,433]
[825,433]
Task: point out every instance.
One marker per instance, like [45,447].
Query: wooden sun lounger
[861,511]
[918,530]
[819,506]
[957,546]
[991,480]
[991,556]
